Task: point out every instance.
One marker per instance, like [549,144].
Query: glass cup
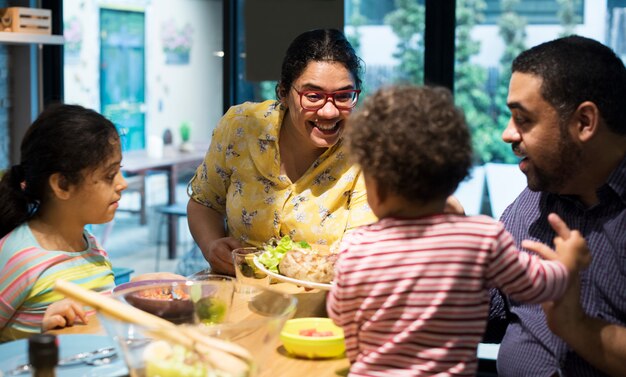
[246,271]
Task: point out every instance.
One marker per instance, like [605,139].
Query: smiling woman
[280,167]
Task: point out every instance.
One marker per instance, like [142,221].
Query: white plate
[283,278]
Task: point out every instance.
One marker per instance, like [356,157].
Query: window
[534,11]
[482,56]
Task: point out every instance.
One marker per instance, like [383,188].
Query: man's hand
[565,314]
[62,314]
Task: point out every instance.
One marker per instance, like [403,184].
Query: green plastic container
[122,274]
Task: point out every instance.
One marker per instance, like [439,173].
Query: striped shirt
[412,295]
[603,284]
[28,273]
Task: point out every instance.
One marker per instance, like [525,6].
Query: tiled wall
[4,102]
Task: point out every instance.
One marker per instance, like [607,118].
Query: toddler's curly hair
[412,140]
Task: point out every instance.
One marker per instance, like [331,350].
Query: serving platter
[286,279]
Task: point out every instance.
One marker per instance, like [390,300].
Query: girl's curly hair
[412,140]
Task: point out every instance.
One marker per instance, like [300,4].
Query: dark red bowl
[155,297]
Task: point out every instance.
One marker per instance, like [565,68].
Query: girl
[69,176]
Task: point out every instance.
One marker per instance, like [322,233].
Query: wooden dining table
[171,162]
[279,362]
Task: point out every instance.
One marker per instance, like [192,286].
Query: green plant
[407,22]
[470,82]
[512,29]
[185,131]
[567,16]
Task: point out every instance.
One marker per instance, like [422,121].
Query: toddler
[411,291]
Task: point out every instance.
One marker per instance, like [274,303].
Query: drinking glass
[245,269]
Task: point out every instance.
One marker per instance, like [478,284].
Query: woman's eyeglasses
[314,100]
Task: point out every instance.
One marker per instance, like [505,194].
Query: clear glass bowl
[250,321]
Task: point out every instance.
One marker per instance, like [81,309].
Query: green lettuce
[275,251]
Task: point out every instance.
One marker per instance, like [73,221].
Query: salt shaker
[43,354]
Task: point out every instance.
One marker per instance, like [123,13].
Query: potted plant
[185,134]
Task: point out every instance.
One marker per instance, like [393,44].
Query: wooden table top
[139,161]
[279,362]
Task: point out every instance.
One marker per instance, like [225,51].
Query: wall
[174,93]
[5,102]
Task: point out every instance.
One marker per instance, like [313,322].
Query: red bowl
[168,299]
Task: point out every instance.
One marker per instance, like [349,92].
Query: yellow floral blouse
[240,178]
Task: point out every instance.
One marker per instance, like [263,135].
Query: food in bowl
[163,359]
[308,265]
[307,344]
[299,260]
[315,332]
[210,310]
[168,299]
[164,293]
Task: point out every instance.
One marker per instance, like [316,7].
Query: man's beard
[558,172]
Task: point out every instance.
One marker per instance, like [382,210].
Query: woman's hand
[220,257]
[62,314]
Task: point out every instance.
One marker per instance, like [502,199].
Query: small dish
[311,338]
[286,279]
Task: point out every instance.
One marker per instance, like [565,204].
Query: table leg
[172,226]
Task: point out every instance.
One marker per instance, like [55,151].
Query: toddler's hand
[571,248]
[61,314]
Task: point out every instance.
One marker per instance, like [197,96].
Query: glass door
[122,74]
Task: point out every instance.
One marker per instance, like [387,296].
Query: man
[568,125]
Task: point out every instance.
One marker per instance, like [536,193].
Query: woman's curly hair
[412,140]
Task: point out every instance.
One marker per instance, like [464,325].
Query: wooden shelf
[24,38]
